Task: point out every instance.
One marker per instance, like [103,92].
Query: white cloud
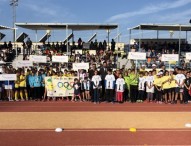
[150,9]
[47,11]
[179,17]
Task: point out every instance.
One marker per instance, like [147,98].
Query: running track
[63,106]
[47,137]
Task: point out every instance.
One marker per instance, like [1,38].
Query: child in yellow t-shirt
[158,87]
[17,82]
[23,89]
[166,86]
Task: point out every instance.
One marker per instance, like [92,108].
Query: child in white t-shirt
[109,86]
[150,86]
[141,88]
[120,84]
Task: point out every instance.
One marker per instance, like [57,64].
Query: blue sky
[126,13]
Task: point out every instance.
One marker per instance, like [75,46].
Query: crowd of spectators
[7,53]
[154,51]
[102,64]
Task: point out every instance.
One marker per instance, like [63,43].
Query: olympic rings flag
[59,86]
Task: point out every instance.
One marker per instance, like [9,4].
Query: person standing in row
[158,87]
[133,86]
[187,86]
[23,88]
[96,81]
[141,88]
[120,87]
[109,86]
[179,78]
[150,86]
[76,87]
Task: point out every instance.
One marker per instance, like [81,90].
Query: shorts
[8,87]
[172,90]
[22,88]
[82,90]
[179,90]
[165,91]
[17,89]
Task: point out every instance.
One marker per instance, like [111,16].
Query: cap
[159,73]
[153,65]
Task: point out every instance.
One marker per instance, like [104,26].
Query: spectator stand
[66,26]
[7,51]
[162,27]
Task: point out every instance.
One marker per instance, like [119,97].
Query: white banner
[78,51]
[8,77]
[92,52]
[77,66]
[137,56]
[24,63]
[35,58]
[188,56]
[170,57]
[59,58]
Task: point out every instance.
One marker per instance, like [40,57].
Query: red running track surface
[61,106]
[51,138]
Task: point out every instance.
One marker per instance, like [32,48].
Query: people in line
[135,86]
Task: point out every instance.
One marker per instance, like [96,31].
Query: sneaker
[22,100]
[11,100]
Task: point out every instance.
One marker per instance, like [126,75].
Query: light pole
[108,32]
[14,4]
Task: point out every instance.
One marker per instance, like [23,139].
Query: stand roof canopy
[60,26]
[176,27]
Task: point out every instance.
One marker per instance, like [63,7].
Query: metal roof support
[139,36]
[179,52]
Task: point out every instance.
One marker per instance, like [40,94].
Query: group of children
[161,87]
[164,86]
